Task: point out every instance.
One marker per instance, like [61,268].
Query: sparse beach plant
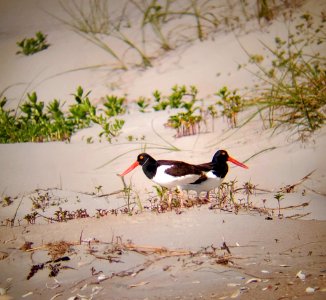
[83,112]
[143,103]
[279,196]
[33,45]
[91,20]
[6,201]
[89,17]
[175,99]
[160,103]
[94,21]
[155,14]
[33,122]
[203,12]
[226,195]
[31,218]
[160,192]
[248,190]
[98,189]
[127,190]
[111,129]
[294,93]
[231,103]
[265,10]
[212,111]
[114,105]
[186,122]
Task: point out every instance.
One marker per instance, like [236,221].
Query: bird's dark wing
[206,167]
[180,168]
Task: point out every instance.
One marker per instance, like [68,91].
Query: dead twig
[147,250]
[298,216]
[110,194]
[290,188]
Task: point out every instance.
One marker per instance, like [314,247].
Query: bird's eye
[141,157]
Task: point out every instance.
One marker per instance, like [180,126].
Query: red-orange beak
[133,166]
[237,162]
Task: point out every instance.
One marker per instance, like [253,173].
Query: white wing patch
[211,183]
[170,181]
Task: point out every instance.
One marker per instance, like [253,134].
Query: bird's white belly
[169,181]
[211,183]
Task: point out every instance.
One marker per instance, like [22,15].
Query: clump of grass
[294,94]
[33,45]
[155,14]
[95,21]
[88,17]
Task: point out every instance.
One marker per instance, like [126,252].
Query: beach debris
[301,275]
[54,266]
[225,247]
[34,270]
[167,268]
[231,284]
[3,255]
[26,246]
[55,296]
[142,283]
[251,280]
[101,277]
[290,187]
[265,271]
[285,266]
[27,294]
[235,294]
[3,291]
[95,291]
[310,290]
[54,286]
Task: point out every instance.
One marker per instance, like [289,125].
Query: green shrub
[33,45]
[33,122]
[114,106]
[231,104]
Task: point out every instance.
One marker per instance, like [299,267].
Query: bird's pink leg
[169,199]
[181,197]
[207,196]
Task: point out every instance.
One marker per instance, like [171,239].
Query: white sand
[69,170]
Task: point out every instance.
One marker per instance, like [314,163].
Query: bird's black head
[220,157]
[219,163]
[148,163]
[143,158]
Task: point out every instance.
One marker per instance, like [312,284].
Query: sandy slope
[69,172]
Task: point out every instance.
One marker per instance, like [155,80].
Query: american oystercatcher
[184,176]
[213,174]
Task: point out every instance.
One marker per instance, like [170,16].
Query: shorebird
[213,174]
[178,174]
